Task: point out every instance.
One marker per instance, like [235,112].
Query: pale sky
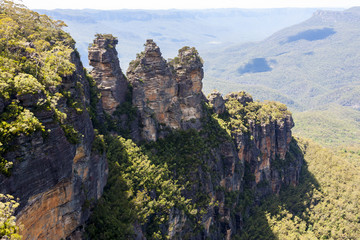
[185,4]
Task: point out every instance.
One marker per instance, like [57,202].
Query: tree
[8,227]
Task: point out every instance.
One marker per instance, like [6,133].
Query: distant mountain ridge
[172,29]
[309,64]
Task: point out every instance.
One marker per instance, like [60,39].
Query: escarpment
[242,150]
[181,166]
[46,132]
[55,174]
[263,139]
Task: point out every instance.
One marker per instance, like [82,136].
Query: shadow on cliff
[287,210]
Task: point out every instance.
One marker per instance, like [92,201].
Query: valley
[93,148]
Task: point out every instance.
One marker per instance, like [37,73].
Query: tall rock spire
[189,73]
[107,72]
[167,95]
[154,92]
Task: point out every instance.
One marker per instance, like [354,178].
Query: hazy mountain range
[173,29]
[305,65]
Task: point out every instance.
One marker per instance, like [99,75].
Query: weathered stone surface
[189,74]
[224,176]
[217,102]
[107,72]
[265,149]
[53,178]
[166,95]
[28,100]
[154,92]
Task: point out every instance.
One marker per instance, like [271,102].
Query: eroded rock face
[265,148]
[107,72]
[189,74]
[166,95]
[54,179]
[154,92]
[217,102]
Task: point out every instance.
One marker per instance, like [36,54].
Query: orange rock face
[49,215]
[55,177]
[107,72]
[166,94]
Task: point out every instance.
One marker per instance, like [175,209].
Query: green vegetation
[147,183]
[15,121]
[35,56]
[137,190]
[27,84]
[334,126]
[307,73]
[316,80]
[8,227]
[105,36]
[242,111]
[324,205]
[182,151]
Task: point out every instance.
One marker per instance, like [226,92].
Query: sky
[185,4]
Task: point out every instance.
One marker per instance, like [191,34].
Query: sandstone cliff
[107,72]
[166,95]
[46,132]
[244,144]
[55,179]
[263,140]
[219,156]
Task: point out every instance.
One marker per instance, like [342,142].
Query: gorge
[187,166]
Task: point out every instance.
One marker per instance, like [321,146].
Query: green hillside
[324,206]
[313,63]
[313,67]
[333,126]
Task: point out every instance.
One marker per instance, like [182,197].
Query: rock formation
[57,179]
[189,74]
[154,92]
[54,179]
[166,95]
[217,102]
[107,72]
[265,147]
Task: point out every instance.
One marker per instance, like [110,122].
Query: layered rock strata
[166,95]
[107,72]
[54,179]
[217,102]
[265,146]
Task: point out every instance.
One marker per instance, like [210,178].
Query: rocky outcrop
[154,92]
[107,72]
[189,73]
[217,102]
[56,180]
[167,96]
[265,145]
